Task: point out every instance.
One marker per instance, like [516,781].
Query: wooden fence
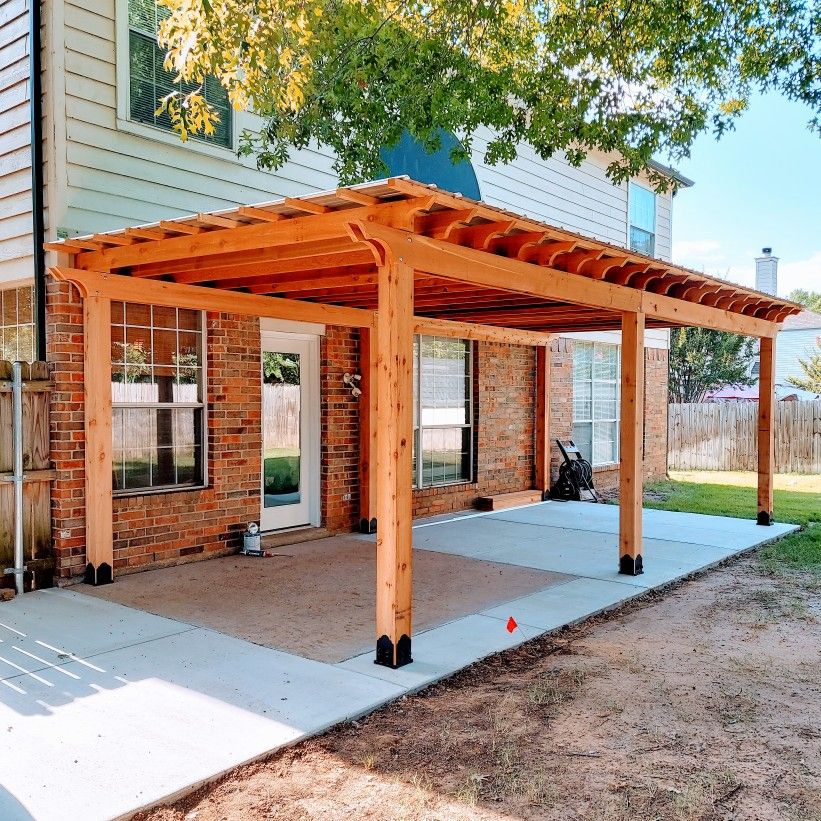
[723,436]
[281,416]
[37,552]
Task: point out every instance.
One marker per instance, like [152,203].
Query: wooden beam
[766,430]
[98,446]
[307,206]
[368,412]
[359,197]
[180,228]
[146,233]
[393,464]
[332,225]
[155,292]
[542,444]
[450,261]
[631,445]
[261,214]
[480,333]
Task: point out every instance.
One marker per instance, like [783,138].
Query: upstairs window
[596,395]
[157,388]
[149,82]
[642,202]
[442,411]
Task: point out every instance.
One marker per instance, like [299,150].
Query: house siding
[791,347]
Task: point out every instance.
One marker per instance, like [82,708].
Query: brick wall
[163,528]
[167,528]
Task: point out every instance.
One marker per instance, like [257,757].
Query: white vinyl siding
[793,346]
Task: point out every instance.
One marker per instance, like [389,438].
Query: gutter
[683,182]
[37,198]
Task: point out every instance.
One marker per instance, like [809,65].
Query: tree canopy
[632,79]
[811,300]
[702,360]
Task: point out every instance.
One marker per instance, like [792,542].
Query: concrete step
[505,500]
[275,539]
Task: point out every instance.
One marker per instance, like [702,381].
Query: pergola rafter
[394,258]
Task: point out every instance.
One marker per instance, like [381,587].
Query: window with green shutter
[150,82]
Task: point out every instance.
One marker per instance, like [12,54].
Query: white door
[290,430]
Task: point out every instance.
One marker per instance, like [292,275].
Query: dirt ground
[315,598]
[701,703]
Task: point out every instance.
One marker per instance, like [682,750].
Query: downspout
[38,228]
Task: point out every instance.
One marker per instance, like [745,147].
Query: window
[596,391]
[17,324]
[642,220]
[157,397]
[149,82]
[442,411]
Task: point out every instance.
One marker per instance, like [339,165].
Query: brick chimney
[766,272]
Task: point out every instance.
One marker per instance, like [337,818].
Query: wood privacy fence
[723,436]
[33,440]
[281,416]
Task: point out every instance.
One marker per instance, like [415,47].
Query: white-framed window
[442,411]
[157,394]
[17,324]
[596,401]
[148,81]
[642,219]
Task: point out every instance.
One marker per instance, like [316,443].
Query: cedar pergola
[397,258]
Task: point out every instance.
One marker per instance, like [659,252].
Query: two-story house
[185,481]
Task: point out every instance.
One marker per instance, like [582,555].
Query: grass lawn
[797,500]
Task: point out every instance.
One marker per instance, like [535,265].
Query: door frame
[310,414]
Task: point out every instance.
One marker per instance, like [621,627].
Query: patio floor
[108,708]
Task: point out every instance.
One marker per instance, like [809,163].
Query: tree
[633,79]
[811,381]
[811,300]
[702,360]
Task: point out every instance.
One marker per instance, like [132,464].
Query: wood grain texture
[766,427]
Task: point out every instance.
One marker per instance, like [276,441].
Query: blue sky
[760,185]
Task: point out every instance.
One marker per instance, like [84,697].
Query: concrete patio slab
[108,708]
[98,737]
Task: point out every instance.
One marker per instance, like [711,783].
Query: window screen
[642,220]
[443,411]
[149,82]
[596,396]
[157,397]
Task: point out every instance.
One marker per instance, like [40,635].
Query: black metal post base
[628,566]
[764,518]
[98,575]
[384,652]
[367,525]
[546,495]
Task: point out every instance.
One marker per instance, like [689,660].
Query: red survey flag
[511,624]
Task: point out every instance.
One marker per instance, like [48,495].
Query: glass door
[290,431]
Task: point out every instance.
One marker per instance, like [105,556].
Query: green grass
[800,552]
[281,471]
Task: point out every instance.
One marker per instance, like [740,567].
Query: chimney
[766,272]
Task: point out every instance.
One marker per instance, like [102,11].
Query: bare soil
[700,703]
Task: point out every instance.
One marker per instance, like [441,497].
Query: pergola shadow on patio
[395,258]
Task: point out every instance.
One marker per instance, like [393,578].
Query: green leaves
[630,79]
[702,360]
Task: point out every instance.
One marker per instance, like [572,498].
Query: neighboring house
[110,162]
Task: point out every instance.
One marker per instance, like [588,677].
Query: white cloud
[709,256]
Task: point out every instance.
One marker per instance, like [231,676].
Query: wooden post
[542,446]
[766,430]
[393,464]
[99,507]
[368,349]
[631,480]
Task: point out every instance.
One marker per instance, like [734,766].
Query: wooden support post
[368,350]
[393,464]
[631,480]
[542,446]
[766,430]
[98,485]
